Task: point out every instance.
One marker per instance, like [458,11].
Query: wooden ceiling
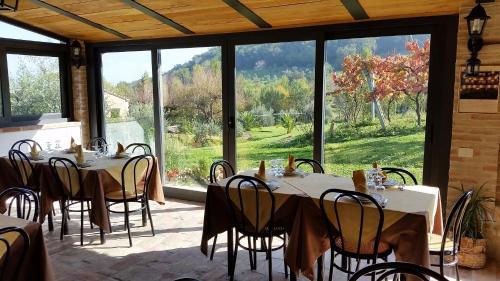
[110,20]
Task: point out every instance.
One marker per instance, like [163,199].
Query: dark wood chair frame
[138,198]
[454,227]
[144,146]
[250,232]
[334,234]
[316,166]
[397,268]
[22,197]
[402,173]
[228,171]
[67,198]
[6,257]
[18,145]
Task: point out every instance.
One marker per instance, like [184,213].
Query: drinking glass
[58,145]
[97,151]
[49,146]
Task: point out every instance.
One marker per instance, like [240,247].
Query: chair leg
[150,217]
[127,224]
[144,213]
[255,253]
[270,260]
[88,211]
[81,222]
[250,256]
[213,248]
[233,266]
[284,252]
[457,274]
[109,218]
[63,222]
[332,259]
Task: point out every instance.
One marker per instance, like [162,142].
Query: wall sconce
[76,53]
[476,21]
[8,5]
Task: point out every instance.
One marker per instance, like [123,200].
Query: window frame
[33,48]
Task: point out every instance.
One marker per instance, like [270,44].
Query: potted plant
[472,252]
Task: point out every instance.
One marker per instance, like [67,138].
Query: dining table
[100,175]
[36,264]
[410,213]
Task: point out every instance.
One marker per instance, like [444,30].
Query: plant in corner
[472,252]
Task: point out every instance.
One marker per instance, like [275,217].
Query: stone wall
[478,133]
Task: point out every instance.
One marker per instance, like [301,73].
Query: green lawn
[341,157]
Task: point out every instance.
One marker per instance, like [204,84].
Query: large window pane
[274,101]
[376,98]
[34,84]
[128,98]
[192,97]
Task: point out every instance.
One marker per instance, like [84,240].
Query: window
[274,102]
[376,103]
[10,31]
[192,102]
[128,98]
[34,85]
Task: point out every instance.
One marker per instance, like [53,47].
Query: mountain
[264,59]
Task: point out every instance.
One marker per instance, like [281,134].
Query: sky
[128,66]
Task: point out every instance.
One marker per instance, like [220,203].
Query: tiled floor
[172,253]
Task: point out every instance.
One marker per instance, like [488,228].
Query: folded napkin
[79,157]
[72,144]
[120,149]
[290,168]
[261,174]
[359,180]
[34,152]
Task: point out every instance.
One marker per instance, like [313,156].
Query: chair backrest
[453,226]
[23,167]
[25,200]
[225,166]
[68,176]
[405,175]
[136,175]
[248,196]
[98,142]
[26,144]
[395,268]
[354,240]
[144,147]
[11,259]
[315,165]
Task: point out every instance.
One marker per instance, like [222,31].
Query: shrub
[204,131]
[264,116]
[248,120]
[288,122]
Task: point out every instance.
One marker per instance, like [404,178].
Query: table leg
[50,221]
[101,234]
[229,251]
[293,276]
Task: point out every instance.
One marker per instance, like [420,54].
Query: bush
[288,122]
[204,131]
[264,116]
[248,120]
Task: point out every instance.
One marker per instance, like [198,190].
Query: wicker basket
[472,253]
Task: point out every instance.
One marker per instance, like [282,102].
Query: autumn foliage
[366,78]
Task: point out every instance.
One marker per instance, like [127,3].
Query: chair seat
[435,241]
[365,248]
[118,195]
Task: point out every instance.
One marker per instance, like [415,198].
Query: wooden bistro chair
[257,193]
[227,171]
[140,147]
[397,268]
[406,176]
[97,142]
[138,171]
[25,201]
[343,241]
[69,179]
[9,257]
[446,247]
[315,165]
[26,144]
[23,167]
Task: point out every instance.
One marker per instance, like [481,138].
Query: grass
[396,147]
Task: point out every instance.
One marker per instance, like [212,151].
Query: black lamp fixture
[8,5]
[476,21]
[76,53]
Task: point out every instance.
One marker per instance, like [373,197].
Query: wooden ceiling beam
[78,18]
[157,16]
[355,9]
[249,14]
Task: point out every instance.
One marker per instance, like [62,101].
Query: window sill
[42,125]
[189,193]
